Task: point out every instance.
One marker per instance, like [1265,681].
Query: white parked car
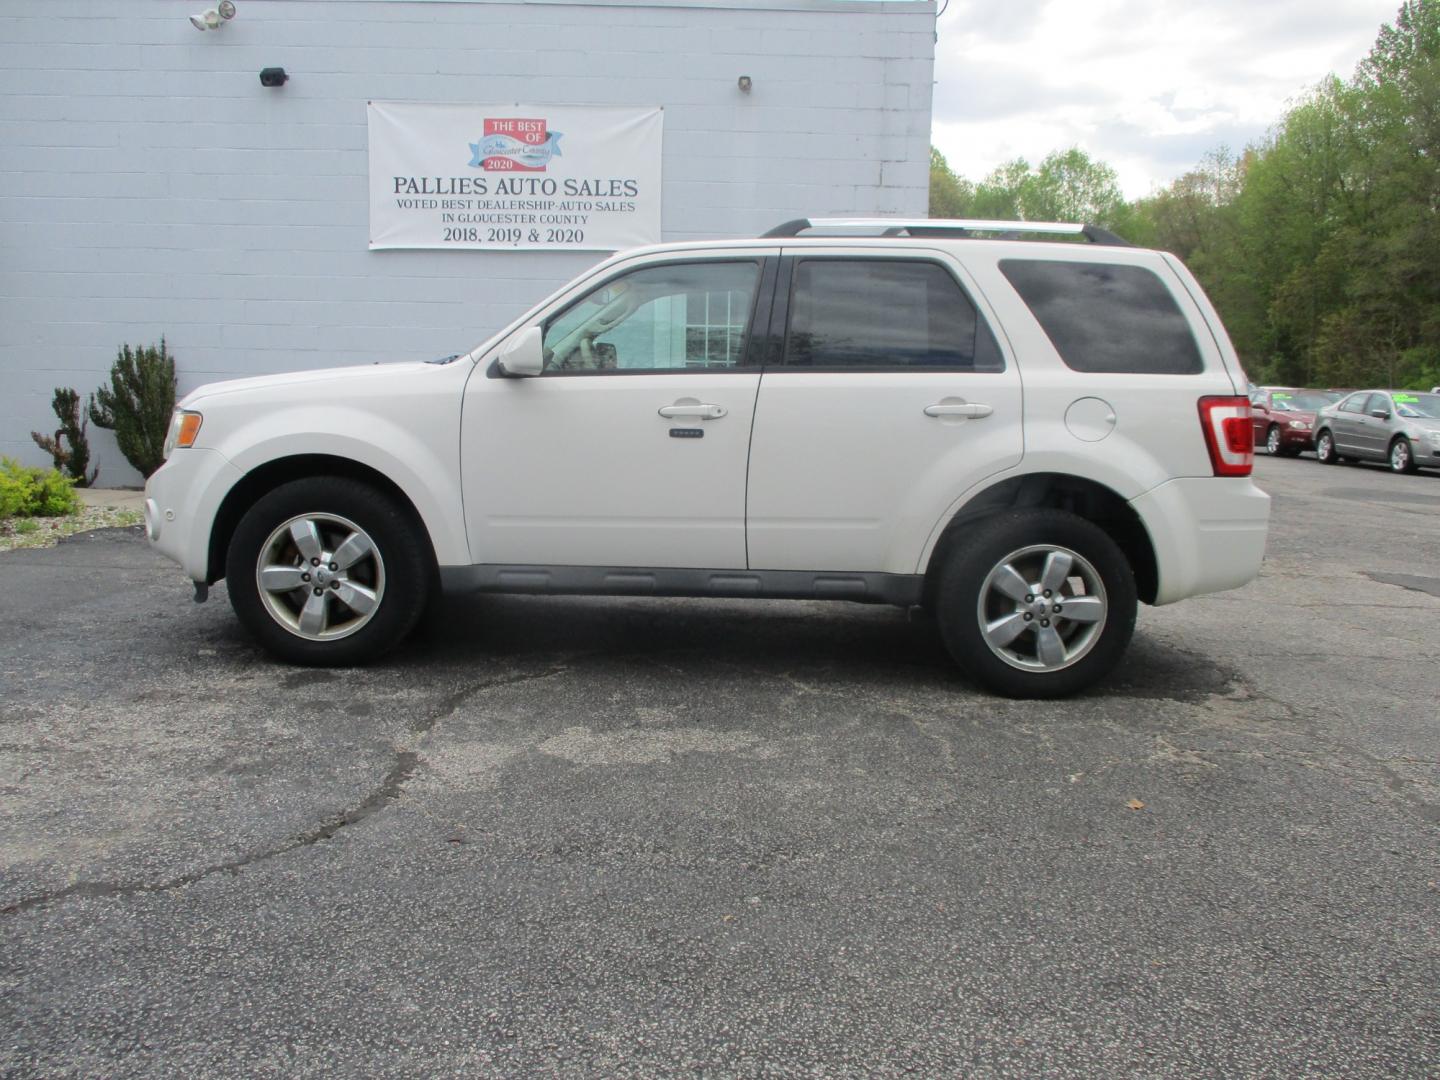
[1023,436]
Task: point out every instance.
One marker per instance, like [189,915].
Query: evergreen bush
[69,447]
[137,404]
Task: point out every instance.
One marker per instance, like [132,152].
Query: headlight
[184,426]
[1299,425]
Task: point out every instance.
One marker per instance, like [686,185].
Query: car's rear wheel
[327,571]
[1402,456]
[1325,449]
[1036,603]
[1272,441]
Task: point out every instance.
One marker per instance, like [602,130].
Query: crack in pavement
[391,787]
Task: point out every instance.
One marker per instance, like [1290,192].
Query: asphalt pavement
[614,837]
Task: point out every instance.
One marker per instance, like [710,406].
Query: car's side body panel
[574,470]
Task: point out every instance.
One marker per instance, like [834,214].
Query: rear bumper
[1208,533]
[182,498]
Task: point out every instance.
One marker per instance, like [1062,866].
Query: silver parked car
[1401,427]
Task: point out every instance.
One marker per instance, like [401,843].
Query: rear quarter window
[1106,318]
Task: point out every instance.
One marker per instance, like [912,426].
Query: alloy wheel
[320,576]
[1042,608]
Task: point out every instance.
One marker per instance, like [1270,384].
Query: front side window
[676,317]
[1355,403]
[1107,318]
[884,313]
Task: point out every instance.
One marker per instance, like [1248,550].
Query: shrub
[137,404]
[26,491]
[69,447]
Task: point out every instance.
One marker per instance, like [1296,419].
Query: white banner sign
[514,177]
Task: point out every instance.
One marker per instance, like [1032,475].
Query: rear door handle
[970,410]
[697,412]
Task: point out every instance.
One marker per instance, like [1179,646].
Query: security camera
[273,77]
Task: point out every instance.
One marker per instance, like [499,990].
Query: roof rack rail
[946,227]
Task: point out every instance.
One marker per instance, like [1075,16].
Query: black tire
[1325,448]
[1011,538]
[395,572]
[1402,456]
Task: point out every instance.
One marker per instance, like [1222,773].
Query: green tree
[950,195]
[1072,186]
[1069,185]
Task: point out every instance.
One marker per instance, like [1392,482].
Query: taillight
[1229,434]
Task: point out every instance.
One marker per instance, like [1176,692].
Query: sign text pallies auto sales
[521,177]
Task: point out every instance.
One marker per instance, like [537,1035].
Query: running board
[902,590]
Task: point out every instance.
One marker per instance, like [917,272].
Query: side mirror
[1380,414]
[525,354]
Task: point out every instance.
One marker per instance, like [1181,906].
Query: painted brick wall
[149,185]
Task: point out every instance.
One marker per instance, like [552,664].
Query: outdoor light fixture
[214,18]
[273,76]
[744,84]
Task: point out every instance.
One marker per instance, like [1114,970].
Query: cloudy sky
[1146,86]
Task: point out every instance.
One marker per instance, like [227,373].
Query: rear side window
[883,313]
[1106,318]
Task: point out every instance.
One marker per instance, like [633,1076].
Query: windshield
[1418,406]
[1302,400]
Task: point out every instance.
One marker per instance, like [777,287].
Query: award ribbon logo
[515,145]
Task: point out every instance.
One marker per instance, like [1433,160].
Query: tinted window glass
[1103,318]
[677,317]
[884,313]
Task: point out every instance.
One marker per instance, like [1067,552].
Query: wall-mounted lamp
[744,84]
[214,18]
[273,77]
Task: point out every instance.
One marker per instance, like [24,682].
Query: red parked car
[1284,417]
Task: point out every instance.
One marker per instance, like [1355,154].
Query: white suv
[1025,437]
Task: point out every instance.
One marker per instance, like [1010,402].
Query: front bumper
[1208,533]
[182,498]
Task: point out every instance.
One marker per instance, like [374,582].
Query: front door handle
[697,411]
[969,410]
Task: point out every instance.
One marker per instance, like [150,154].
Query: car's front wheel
[1036,603]
[327,571]
[1402,456]
[1272,441]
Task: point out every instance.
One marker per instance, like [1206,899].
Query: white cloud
[1147,87]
